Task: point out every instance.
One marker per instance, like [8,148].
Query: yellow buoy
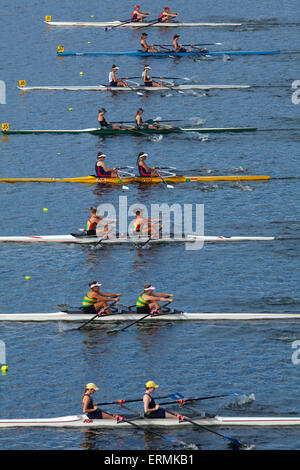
[27,277]
[4,369]
[45,209]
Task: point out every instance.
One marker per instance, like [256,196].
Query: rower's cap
[95,284]
[149,288]
[144,155]
[92,386]
[102,155]
[167,8]
[102,109]
[115,67]
[137,6]
[151,384]
[144,34]
[176,36]
[147,67]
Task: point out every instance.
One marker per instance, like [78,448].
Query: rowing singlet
[148,83]
[143,172]
[90,225]
[134,17]
[103,123]
[111,81]
[88,301]
[162,17]
[97,414]
[141,302]
[160,413]
[101,172]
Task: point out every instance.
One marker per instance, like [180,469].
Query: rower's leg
[100,305]
[155,306]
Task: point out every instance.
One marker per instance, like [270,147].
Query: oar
[123,185]
[234,441]
[191,45]
[97,315]
[134,400]
[117,25]
[120,419]
[183,400]
[115,331]
[168,185]
[103,238]
[112,332]
[149,24]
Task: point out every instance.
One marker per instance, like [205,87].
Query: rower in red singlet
[138,15]
[146,226]
[102,171]
[144,170]
[94,222]
[166,15]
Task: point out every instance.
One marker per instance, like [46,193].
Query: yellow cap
[91,385]
[151,384]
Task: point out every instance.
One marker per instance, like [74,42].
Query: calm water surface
[48,364]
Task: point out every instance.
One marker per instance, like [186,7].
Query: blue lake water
[49,365]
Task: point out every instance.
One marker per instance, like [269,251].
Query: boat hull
[131,317]
[104,24]
[83,421]
[128,240]
[132,131]
[138,179]
[165,54]
[133,88]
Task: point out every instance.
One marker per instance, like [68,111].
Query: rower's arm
[85,407]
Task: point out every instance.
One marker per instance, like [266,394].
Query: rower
[92,225]
[138,15]
[152,409]
[113,80]
[139,121]
[145,46]
[178,47]
[95,300]
[102,121]
[147,79]
[148,301]
[144,170]
[146,226]
[166,15]
[102,171]
[88,406]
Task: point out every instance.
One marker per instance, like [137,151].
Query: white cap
[115,68]
[150,288]
[97,284]
[102,155]
[147,67]
[144,155]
